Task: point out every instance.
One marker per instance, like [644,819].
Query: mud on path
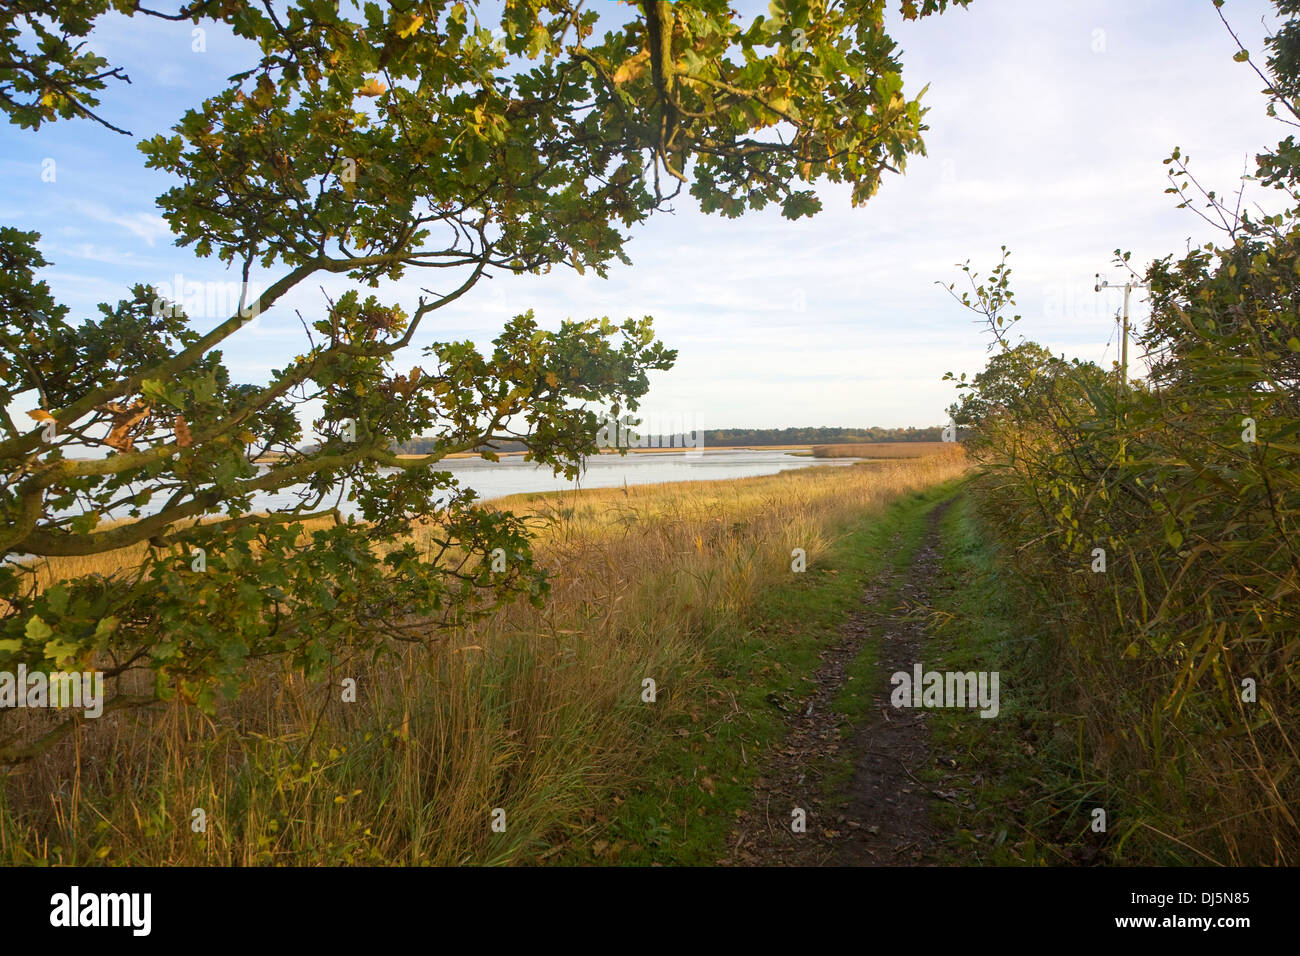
[882,816]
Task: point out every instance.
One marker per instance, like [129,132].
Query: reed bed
[887,450]
[534,712]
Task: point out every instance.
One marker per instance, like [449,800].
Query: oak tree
[450,140]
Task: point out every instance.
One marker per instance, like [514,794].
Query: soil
[882,816]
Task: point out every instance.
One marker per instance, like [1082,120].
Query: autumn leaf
[372,88]
[125,418]
[183,437]
[631,69]
[409,30]
[405,385]
[41,415]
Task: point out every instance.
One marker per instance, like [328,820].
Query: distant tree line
[722,437]
[816,436]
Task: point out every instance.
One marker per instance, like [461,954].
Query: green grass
[700,775]
[854,701]
[1031,805]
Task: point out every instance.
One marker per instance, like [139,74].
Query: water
[512,475]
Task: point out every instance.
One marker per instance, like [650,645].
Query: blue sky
[1049,121]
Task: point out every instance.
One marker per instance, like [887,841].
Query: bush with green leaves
[1158,521]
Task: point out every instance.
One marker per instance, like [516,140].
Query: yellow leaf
[372,88]
[551,379]
[632,68]
[416,22]
[41,415]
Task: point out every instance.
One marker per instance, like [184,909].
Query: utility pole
[1129,286]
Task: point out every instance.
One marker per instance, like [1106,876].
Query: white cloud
[1045,135]
[149,227]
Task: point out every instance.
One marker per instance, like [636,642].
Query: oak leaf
[633,68]
[125,418]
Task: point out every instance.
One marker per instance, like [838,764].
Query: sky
[1049,121]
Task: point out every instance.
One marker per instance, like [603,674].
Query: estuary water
[512,475]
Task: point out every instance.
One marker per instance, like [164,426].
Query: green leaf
[61,652]
[38,631]
[57,597]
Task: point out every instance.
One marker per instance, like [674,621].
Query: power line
[1128,287]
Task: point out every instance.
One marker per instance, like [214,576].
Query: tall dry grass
[537,712]
[887,450]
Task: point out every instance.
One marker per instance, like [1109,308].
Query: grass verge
[681,807]
[1019,795]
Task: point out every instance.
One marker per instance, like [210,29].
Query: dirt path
[881,817]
